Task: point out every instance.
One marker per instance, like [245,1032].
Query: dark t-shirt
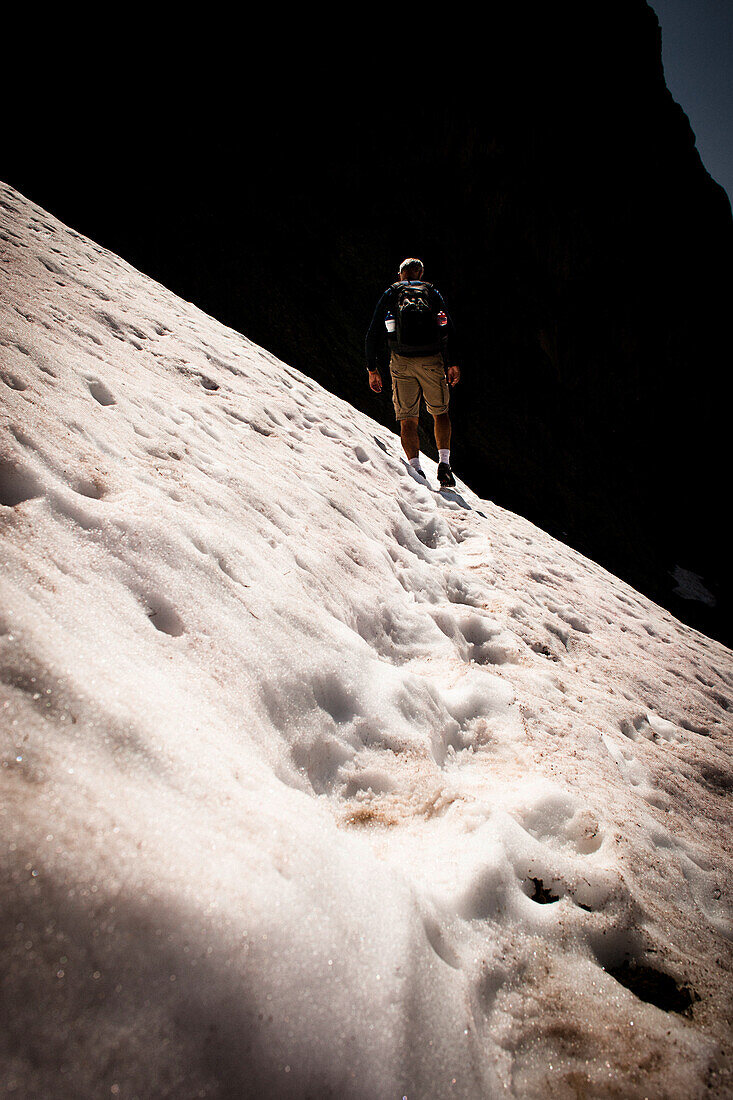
[376,346]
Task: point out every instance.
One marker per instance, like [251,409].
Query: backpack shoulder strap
[419,283]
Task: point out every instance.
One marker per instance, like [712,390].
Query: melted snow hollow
[315,782]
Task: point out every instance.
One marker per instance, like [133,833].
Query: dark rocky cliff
[539,166]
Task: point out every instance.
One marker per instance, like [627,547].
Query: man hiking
[412,320]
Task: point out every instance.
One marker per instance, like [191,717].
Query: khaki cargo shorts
[424,375]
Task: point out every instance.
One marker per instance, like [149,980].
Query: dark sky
[697,51]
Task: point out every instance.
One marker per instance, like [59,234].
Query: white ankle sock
[444,455]
[415,462]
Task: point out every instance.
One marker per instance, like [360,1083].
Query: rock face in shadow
[543,172]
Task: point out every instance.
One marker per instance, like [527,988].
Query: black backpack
[416,311]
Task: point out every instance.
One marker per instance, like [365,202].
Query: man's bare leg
[442,439]
[442,431]
[410,437]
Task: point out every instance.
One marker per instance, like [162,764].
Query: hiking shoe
[445,476]
[419,472]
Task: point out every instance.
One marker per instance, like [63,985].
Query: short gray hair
[412,267]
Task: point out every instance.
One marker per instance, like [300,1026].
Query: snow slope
[316,783]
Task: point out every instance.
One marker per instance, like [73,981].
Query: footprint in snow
[101,393]
[17,484]
[12,381]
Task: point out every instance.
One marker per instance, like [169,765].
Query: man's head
[411,269]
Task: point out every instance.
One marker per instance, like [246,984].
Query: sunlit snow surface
[316,783]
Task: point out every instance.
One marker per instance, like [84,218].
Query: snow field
[317,782]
